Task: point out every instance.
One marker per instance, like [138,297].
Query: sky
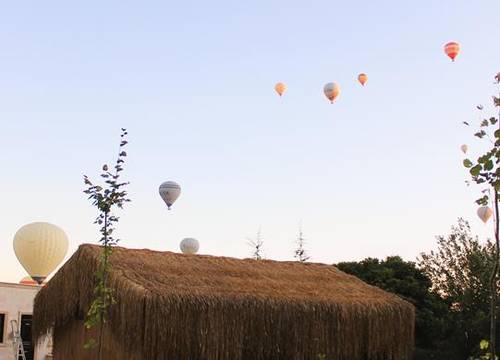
[376,174]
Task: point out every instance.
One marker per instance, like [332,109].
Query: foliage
[405,279]
[486,172]
[459,270]
[300,252]
[105,197]
[484,353]
[257,244]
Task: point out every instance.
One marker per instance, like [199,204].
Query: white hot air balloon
[169,192]
[464,148]
[189,246]
[331,91]
[40,247]
[484,213]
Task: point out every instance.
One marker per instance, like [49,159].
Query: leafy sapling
[107,196]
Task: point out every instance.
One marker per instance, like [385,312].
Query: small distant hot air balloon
[27,280]
[189,246]
[331,91]
[362,78]
[169,192]
[452,49]
[464,148]
[40,247]
[280,88]
[484,213]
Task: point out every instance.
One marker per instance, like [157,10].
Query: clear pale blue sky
[376,174]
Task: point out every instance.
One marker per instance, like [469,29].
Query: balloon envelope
[27,280]
[169,192]
[189,246]
[452,49]
[464,148]
[362,78]
[40,247]
[484,213]
[331,91]
[280,88]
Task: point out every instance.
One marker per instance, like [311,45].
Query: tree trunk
[493,284]
[104,281]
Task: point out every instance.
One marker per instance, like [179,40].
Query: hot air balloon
[27,280]
[331,91]
[280,88]
[464,148]
[362,78]
[40,247]
[189,246]
[484,213]
[452,49]
[169,192]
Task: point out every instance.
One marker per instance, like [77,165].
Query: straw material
[176,306]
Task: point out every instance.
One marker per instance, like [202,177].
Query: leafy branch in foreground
[485,171]
[106,197]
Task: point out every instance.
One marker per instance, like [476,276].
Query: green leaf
[476,170]
[496,101]
[497,134]
[480,134]
[488,165]
[467,163]
[483,345]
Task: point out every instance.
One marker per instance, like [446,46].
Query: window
[3,325]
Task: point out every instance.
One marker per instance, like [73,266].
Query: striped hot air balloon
[452,49]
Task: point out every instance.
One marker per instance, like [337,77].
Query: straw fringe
[175,306]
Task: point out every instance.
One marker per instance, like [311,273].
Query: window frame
[3,341]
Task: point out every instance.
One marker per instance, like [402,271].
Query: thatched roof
[177,306]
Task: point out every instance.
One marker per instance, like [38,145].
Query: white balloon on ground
[189,246]
[40,247]
[464,148]
[484,213]
[170,192]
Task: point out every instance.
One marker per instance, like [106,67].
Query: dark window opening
[29,348]
[2,328]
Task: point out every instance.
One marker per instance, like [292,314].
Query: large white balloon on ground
[484,213]
[40,247]
[189,246]
[169,192]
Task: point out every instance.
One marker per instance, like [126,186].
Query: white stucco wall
[17,299]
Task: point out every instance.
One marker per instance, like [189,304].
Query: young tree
[257,245]
[460,273]
[485,171]
[405,279]
[300,252]
[105,197]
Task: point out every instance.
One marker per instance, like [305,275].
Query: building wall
[17,299]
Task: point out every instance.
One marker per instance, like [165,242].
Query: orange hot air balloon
[362,78]
[452,49]
[280,88]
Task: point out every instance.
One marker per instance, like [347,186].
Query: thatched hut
[176,306]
